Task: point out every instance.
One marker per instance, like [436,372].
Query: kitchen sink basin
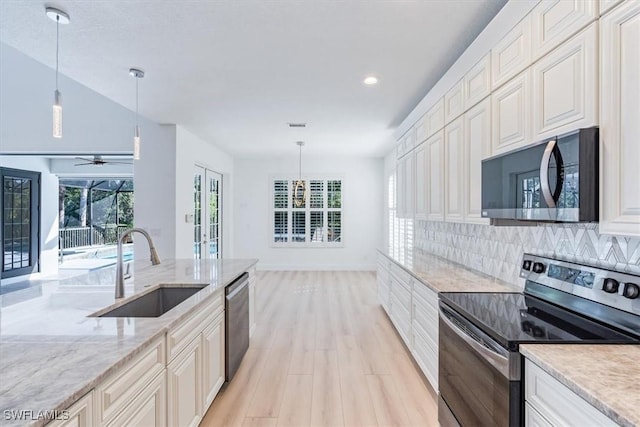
[153,304]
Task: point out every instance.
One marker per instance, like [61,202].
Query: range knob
[538,267]
[610,286]
[526,264]
[631,290]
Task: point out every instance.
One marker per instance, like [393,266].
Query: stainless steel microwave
[555,180]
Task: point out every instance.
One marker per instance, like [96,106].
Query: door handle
[551,150]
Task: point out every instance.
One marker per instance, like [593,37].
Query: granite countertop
[445,276]
[51,353]
[604,375]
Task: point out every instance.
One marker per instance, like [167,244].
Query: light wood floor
[324,353]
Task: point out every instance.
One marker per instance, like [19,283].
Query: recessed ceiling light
[370,80]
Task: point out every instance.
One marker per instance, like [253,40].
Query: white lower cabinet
[400,303]
[549,402]
[148,408]
[213,360]
[80,414]
[383,279]
[184,376]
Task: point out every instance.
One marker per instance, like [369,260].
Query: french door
[207,214]
[21,222]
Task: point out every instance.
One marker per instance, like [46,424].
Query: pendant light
[299,189]
[138,74]
[60,17]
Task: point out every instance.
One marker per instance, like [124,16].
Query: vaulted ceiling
[235,72]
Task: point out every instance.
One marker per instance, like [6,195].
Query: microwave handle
[551,198]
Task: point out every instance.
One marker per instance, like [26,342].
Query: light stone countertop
[606,376]
[51,353]
[445,276]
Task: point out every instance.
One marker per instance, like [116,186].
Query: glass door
[207,213]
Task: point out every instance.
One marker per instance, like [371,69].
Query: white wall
[191,151]
[363,220]
[48,209]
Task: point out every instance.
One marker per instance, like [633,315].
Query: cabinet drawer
[429,296]
[180,336]
[426,354]
[559,405]
[427,321]
[80,413]
[402,275]
[148,408]
[532,418]
[402,294]
[512,54]
[118,390]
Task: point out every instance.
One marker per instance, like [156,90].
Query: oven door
[479,380]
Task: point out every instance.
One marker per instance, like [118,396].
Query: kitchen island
[52,352]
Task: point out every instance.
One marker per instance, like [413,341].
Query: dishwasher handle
[236,287]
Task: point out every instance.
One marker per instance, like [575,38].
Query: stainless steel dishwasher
[236,324]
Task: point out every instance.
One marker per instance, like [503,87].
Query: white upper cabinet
[606,5]
[434,119]
[512,54]
[511,114]
[420,131]
[453,102]
[405,188]
[406,143]
[565,86]
[477,146]
[554,21]
[477,82]
[620,122]
[435,186]
[454,164]
[421,180]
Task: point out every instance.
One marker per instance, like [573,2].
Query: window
[21,222]
[317,222]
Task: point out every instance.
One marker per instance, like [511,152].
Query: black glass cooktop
[515,318]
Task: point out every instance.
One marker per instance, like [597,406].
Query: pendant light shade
[299,187]
[60,17]
[138,74]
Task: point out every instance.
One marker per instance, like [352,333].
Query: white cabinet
[606,5]
[512,54]
[435,190]
[147,409]
[620,125]
[213,355]
[405,188]
[421,181]
[184,377]
[477,146]
[511,114]
[80,414]
[477,82]
[424,332]
[454,102]
[454,174]
[400,302]
[383,279]
[554,21]
[565,86]
[406,143]
[556,403]
[420,130]
[434,119]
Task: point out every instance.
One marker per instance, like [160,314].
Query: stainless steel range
[480,368]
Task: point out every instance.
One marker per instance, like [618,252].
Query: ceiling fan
[99,161]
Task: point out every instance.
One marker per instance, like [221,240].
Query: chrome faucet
[155,259]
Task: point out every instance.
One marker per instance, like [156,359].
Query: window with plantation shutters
[317,222]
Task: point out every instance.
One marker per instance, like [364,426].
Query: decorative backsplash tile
[497,251]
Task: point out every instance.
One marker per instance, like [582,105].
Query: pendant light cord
[57,46]
[137,78]
[300,164]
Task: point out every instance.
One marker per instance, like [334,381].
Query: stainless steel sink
[153,304]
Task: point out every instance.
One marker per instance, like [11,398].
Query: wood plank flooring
[324,353]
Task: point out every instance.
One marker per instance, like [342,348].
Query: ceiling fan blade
[82,164]
[85,159]
[119,163]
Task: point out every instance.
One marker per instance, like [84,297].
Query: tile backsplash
[497,251]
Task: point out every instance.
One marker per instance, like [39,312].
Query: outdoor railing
[73,237]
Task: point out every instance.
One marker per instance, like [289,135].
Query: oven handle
[499,361]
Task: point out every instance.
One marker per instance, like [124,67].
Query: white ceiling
[235,72]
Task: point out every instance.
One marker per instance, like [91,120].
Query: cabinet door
[212,361]
[147,409]
[420,131]
[565,87]
[421,167]
[511,114]
[532,418]
[400,186]
[554,21]
[477,82]
[434,119]
[606,5]
[184,375]
[619,126]
[454,176]
[453,102]
[81,414]
[435,155]
[477,146]
[408,189]
[512,54]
